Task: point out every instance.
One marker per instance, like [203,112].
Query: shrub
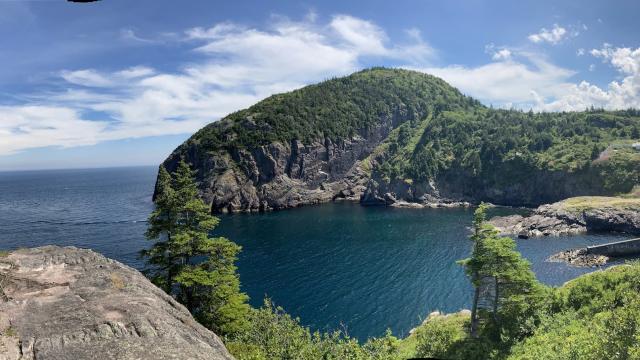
[440,335]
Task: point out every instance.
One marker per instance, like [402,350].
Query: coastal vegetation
[199,271]
[513,315]
[335,109]
[595,316]
[274,334]
[413,131]
[409,131]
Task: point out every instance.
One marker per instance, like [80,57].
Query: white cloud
[553,36]
[502,54]
[531,81]
[363,36]
[130,35]
[36,125]
[135,72]
[241,66]
[580,52]
[626,60]
[508,82]
[498,53]
[86,77]
[617,95]
[93,78]
[236,66]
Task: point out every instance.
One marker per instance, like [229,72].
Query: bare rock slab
[69,303]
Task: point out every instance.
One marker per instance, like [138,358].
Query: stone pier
[616,249]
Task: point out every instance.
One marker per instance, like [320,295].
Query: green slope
[439,135]
[335,109]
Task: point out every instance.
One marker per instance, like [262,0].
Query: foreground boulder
[69,303]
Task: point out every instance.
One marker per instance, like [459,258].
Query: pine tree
[215,288]
[474,265]
[199,271]
[162,226]
[506,292]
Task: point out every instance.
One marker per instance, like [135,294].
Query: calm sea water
[334,265]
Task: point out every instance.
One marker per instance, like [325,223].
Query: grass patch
[4,253]
[416,135]
[582,203]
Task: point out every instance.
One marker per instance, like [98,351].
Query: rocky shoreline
[580,257]
[372,198]
[562,219]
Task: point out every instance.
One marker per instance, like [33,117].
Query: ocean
[335,266]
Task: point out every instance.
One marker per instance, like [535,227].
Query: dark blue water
[101,209]
[334,266]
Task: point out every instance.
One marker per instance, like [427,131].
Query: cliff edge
[69,303]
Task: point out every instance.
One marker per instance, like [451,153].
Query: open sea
[334,266]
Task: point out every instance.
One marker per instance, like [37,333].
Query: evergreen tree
[506,292]
[162,226]
[475,264]
[199,271]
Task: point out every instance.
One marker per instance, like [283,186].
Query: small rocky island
[69,303]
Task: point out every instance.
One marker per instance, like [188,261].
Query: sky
[122,83]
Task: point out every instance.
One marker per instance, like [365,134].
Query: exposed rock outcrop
[545,221]
[580,257]
[279,176]
[561,219]
[69,303]
[405,195]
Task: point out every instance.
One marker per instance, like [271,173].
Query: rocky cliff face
[68,303]
[457,187]
[286,175]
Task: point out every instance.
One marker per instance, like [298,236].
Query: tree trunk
[474,312]
[495,299]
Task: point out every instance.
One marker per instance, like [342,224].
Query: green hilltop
[421,133]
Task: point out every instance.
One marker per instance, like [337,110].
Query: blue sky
[119,83]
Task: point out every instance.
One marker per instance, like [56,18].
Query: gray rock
[279,176]
[554,220]
[580,257]
[612,219]
[69,303]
